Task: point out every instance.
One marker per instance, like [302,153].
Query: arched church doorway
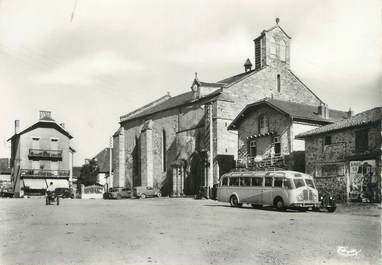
[195,177]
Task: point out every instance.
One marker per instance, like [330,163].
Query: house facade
[181,143]
[40,154]
[266,131]
[104,177]
[5,172]
[345,157]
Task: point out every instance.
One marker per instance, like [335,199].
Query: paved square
[181,231]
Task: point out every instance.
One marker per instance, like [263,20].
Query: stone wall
[278,123]
[180,125]
[331,164]
[342,146]
[264,84]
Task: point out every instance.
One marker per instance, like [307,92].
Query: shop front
[364,183]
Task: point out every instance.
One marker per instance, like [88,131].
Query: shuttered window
[361,140]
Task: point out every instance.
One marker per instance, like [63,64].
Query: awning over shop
[35,184]
[58,183]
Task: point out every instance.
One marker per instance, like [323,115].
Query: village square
[252,167]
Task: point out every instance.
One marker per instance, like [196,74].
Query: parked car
[143,192]
[117,193]
[6,192]
[64,193]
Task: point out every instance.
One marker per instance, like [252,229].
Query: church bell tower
[272,47]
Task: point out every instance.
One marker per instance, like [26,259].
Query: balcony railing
[44,173]
[251,162]
[43,154]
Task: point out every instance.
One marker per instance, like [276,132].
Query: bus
[281,189]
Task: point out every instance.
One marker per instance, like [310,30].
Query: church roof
[205,84]
[360,119]
[270,29]
[177,101]
[297,111]
[235,78]
[168,104]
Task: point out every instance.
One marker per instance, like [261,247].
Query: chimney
[349,113]
[62,125]
[323,110]
[17,126]
[247,65]
[45,115]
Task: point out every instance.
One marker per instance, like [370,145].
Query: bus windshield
[310,183]
[299,183]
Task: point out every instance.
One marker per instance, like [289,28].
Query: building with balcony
[40,154]
[345,157]
[266,131]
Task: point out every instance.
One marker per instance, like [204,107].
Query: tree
[89,173]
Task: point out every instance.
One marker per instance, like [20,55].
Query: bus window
[278,182]
[279,174]
[234,181]
[257,181]
[245,181]
[288,184]
[225,182]
[299,183]
[268,182]
[310,183]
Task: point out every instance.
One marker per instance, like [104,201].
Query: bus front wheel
[279,204]
[234,201]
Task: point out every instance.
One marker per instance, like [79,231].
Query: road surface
[182,231]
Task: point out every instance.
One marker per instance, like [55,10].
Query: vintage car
[118,193]
[6,192]
[143,192]
[64,193]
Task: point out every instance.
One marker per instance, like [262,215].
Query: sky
[91,61]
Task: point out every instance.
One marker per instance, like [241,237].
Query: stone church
[181,143]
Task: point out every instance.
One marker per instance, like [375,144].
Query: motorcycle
[328,202]
[51,197]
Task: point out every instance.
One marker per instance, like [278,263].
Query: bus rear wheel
[234,201]
[279,204]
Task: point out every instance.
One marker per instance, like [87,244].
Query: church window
[164,153]
[137,162]
[278,83]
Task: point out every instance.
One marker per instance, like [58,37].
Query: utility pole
[211,175]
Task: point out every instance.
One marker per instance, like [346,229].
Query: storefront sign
[363,180]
